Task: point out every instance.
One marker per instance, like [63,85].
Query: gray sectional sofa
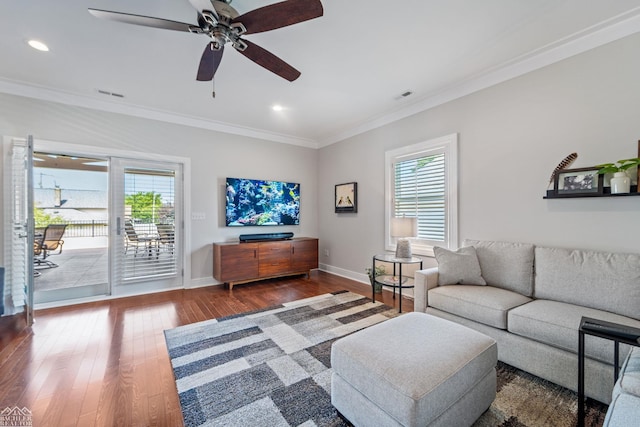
[530,299]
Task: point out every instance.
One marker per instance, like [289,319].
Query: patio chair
[50,242]
[132,239]
[166,237]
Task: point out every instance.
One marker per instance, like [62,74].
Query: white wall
[213,155]
[511,137]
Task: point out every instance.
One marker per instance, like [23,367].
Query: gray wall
[213,155]
[511,137]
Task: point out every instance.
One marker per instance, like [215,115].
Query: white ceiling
[355,61]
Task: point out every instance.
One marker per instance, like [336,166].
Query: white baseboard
[358,277]
[202,282]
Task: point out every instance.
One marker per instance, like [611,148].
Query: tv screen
[257,202]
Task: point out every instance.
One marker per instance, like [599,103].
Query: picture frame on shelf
[346,197]
[578,181]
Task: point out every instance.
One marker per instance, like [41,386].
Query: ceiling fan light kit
[223,24]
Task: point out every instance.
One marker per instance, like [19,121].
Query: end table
[396,280]
[612,331]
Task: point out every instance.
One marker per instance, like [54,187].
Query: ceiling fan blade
[269,61]
[209,62]
[146,21]
[279,15]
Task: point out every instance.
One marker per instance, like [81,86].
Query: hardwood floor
[106,363]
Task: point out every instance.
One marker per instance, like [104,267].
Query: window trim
[449,146]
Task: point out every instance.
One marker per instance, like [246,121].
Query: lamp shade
[404,227]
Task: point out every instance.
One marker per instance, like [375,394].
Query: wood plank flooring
[106,363]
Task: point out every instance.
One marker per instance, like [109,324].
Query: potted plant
[620,183]
[380,270]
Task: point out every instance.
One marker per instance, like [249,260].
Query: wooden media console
[242,262]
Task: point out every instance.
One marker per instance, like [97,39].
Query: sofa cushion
[505,265]
[556,323]
[458,267]
[624,411]
[483,304]
[601,280]
[629,381]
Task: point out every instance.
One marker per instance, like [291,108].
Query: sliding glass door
[71,214]
[146,238]
[119,224]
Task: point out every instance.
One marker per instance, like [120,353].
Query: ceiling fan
[223,24]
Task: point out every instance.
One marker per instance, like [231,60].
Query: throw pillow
[459,267]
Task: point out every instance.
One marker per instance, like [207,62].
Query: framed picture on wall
[346,197]
[579,181]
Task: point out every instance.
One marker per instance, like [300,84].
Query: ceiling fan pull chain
[213,87]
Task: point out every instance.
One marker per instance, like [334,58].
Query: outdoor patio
[83,261]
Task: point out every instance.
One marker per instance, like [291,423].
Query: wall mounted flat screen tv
[257,202]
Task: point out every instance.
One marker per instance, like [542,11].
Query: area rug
[272,368]
[524,400]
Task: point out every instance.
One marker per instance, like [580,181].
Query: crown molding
[595,36]
[47,94]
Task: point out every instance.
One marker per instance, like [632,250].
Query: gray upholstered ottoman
[413,370]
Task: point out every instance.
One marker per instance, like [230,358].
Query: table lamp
[403,227]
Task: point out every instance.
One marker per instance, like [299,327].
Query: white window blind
[419,192]
[150,232]
[422,183]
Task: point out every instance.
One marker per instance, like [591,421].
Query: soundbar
[264,236]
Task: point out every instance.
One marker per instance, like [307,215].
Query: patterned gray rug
[266,368]
[272,368]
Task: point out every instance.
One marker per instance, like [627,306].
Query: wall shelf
[606,193]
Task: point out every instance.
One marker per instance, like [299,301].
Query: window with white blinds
[419,191]
[150,232]
[421,183]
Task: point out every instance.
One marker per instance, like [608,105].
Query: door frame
[102,152]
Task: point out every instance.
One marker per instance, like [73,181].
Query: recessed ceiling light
[38,45]
[277,107]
